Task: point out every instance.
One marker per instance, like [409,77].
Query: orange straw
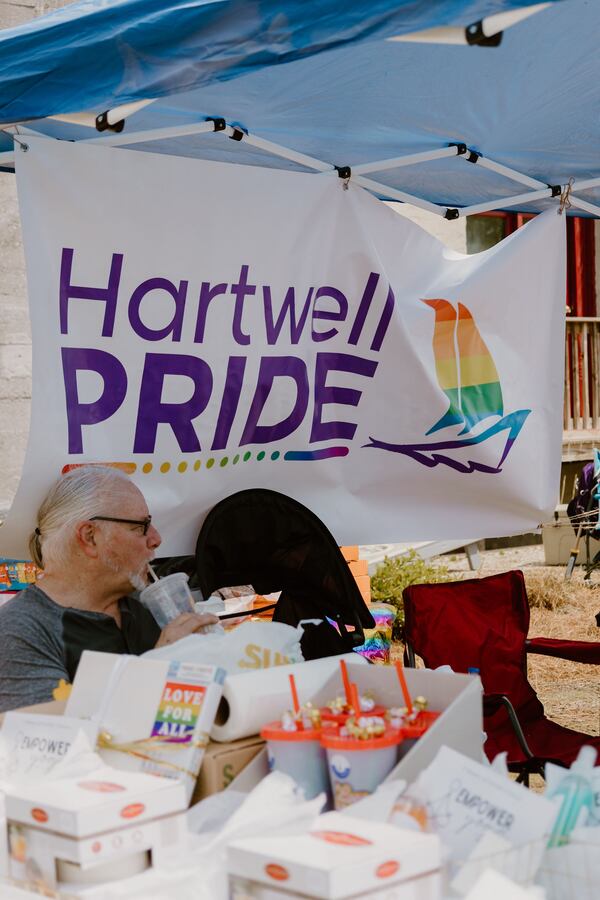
[294,695]
[346,681]
[404,686]
[355,699]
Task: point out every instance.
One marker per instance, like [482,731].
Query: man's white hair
[76,496]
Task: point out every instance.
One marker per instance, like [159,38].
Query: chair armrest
[575,651]
[492,703]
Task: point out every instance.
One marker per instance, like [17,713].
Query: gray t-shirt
[41,643]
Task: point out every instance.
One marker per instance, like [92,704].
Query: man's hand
[186,623]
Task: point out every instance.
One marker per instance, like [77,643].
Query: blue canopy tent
[314,86]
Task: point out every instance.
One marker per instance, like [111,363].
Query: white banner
[212,327]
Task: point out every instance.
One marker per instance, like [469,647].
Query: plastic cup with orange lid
[414,718]
[296,750]
[360,754]
[294,747]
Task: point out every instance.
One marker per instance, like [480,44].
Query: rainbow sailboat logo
[468,377]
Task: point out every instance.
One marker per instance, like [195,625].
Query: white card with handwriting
[33,744]
[464,799]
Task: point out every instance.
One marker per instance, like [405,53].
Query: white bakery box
[341,857]
[103,826]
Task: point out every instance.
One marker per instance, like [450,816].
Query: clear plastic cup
[168,598]
[300,755]
[357,767]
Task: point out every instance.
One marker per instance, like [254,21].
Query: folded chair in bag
[266,539]
[583,512]
[482,624]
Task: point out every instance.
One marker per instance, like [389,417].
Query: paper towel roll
[112,870]
[252,699]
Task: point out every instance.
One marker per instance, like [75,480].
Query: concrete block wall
[15,333]
[15,346]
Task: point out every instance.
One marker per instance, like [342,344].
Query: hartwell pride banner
[211,327]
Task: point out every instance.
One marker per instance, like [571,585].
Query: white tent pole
[504,202]
[486,163]
[488,27]
[209,127]
[278,150]
[499,21]
[392,194]
[114,115]
[155,134]
[584,205]
[318,164]
[584,185]
[397,162]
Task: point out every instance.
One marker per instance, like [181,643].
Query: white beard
[138,580]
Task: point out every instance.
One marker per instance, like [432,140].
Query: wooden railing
[582,375]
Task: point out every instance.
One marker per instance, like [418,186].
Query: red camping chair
[482,623]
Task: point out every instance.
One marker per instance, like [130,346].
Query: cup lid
[274,732]
[163,584]
[418,728]
[333,740]
[327,714]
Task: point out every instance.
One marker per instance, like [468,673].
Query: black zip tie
[238,133]
[219,123]
[451,213]
[473,156]
[556,190]
[461,149]
[344,172]
[102,123]
[475,36]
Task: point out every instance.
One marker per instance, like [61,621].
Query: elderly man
[94,539]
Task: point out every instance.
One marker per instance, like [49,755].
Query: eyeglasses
[144,524]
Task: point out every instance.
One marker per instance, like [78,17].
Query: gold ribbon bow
[140,748]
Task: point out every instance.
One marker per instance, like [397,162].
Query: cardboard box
[350,554]
[364,586]
[167,707]
[359,567]
[222,763]
[457,697]
[340,857]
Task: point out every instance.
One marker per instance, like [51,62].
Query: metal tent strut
[216,125]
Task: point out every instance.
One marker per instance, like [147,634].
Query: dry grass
[547,589]
[569,691]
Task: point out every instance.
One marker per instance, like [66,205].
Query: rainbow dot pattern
[197,465]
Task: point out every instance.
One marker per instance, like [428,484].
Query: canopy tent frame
[218,125]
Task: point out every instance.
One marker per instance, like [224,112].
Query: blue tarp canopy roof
[325,80]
